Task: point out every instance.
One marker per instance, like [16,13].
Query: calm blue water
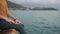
[39,22]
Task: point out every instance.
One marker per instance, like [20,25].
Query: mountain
[23,6]
[14,5]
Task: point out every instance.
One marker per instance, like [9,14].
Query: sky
[49,3]
[38,1]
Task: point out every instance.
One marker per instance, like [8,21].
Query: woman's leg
[19,27]
[7,25]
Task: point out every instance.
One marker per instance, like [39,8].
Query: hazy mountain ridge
[14,5]
[21,6]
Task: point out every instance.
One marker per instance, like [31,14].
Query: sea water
[39,22]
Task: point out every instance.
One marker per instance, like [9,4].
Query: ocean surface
[39,22]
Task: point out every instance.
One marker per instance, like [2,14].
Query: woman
[5,22]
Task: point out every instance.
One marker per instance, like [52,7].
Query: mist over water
[39,22]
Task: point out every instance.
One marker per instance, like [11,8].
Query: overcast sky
[46,3]
[38,1]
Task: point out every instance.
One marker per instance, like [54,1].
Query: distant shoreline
[31,9]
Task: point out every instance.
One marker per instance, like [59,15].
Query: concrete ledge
[10,31]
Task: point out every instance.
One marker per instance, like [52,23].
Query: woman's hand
[17,21]
[10,21]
